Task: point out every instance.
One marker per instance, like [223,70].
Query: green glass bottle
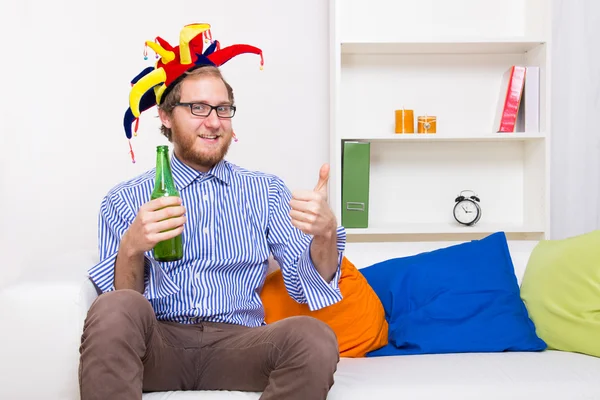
[171,249]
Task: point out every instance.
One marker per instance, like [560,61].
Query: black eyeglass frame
[190,105]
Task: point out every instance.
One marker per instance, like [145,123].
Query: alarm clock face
[466,212]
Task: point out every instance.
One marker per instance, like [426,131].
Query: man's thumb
[323,177]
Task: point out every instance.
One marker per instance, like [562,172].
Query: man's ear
[165,118]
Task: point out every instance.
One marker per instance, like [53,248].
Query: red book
[509,100]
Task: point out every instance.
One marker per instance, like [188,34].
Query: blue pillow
[458,299]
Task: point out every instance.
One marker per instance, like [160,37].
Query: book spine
[513,99]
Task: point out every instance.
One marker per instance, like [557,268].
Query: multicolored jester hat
[154,83]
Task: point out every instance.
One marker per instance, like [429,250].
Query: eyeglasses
[204,110]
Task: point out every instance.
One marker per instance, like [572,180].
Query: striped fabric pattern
[235,219]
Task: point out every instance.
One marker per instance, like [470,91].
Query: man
[197,323]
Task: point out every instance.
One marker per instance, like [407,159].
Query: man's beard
[186,149]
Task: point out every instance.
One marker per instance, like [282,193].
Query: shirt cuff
[103,274]
[318,292]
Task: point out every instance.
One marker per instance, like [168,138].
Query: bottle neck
[164,177]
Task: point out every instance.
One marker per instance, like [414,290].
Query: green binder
[356,158]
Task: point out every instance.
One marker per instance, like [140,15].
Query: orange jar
[426,124]
[405,121]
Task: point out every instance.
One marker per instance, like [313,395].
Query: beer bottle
[171,249]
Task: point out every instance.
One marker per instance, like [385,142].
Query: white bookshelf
[448,65]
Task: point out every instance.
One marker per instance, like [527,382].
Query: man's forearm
[324,254]
[129,269]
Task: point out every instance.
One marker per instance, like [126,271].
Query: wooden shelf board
[439,137]
[444,46]
[432,229]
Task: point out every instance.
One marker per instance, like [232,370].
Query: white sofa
[42,321]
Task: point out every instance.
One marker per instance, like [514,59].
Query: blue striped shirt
[235,219]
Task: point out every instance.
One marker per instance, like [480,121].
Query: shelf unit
[450,68]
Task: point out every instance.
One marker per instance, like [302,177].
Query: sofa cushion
[358,319]
[561,289]
[462,298]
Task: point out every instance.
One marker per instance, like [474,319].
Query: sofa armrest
[41,331]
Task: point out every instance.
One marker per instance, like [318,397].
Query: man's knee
[118,310]
[312,338]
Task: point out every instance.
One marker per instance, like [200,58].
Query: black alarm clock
[467,210]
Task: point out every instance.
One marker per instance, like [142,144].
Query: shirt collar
[184,175]
[221,171]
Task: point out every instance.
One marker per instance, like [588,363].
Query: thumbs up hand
[309,209]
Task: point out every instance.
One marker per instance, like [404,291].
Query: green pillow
[561,290]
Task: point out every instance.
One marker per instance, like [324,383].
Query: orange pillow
[358,319]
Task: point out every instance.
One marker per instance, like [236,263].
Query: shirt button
[206,230]
[205,197]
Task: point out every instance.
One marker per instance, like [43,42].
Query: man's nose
[213,119]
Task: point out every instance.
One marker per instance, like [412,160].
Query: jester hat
[153,84]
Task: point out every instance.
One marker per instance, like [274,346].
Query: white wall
[65,77]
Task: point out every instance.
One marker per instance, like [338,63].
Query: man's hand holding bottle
[157,220]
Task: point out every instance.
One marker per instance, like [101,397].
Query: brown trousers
[125,351]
